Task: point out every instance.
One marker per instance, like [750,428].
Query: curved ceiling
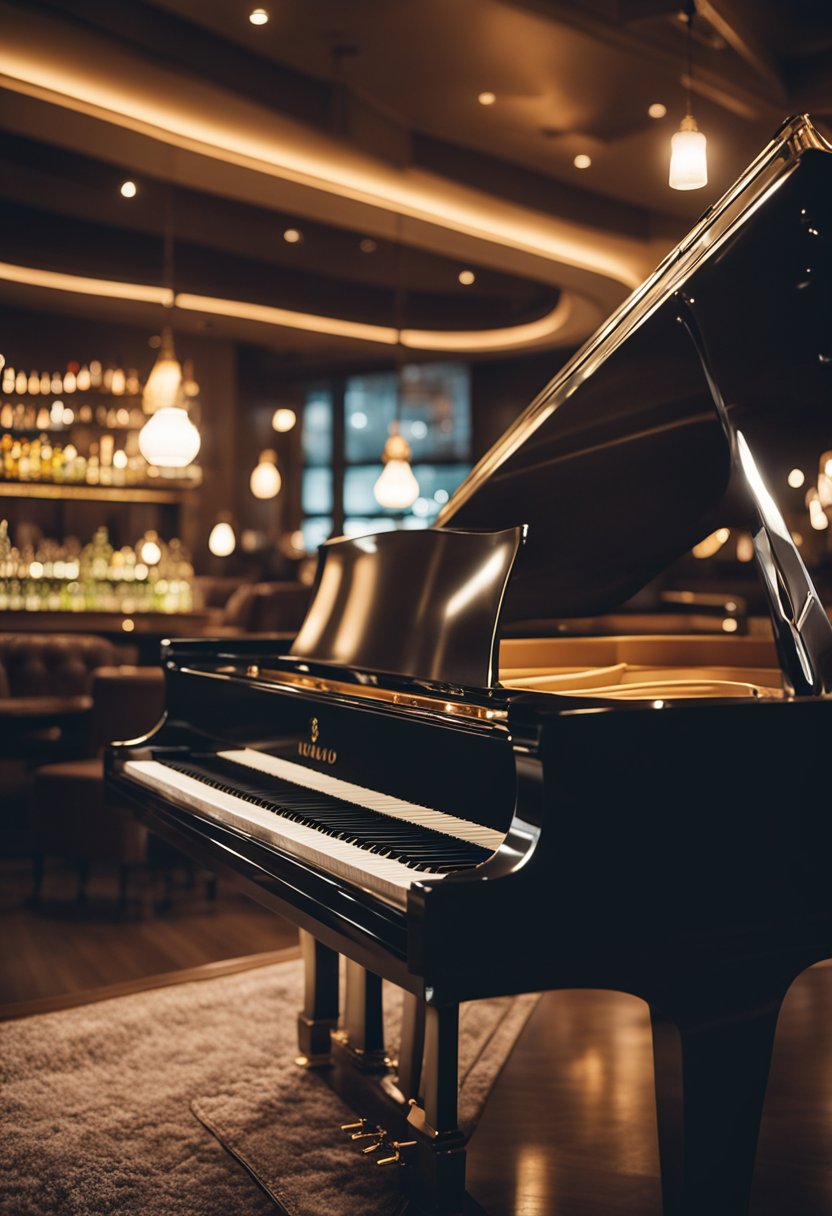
[244,123]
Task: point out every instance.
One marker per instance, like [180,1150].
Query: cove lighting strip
[511,337]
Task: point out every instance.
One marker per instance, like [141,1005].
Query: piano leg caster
[362,1035]
[711,1069]
[437,1181]
[318,1019]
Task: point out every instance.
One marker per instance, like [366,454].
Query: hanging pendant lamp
[689,147]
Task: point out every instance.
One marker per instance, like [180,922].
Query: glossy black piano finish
[669,844]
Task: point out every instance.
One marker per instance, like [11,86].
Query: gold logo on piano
[312,750]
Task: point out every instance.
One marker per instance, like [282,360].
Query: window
[345,426]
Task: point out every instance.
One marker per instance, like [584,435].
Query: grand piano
[468,813]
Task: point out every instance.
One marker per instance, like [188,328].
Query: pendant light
[689,149]
[222,540]
[397,488]
[168,439]
[265,480]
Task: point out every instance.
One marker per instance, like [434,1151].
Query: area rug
[151,1103]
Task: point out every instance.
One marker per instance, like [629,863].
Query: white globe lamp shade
[222,542]
[284,419]
[265,480]
[688,157]
[397,488]
[169,439]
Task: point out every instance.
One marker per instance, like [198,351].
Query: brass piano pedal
[397,1146]
[378,1133]
[372,1148]
[354,1127]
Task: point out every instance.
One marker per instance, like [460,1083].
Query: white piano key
[385,877]
[372,800]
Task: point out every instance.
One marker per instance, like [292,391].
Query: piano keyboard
[367,838]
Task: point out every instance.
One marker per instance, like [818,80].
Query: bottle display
[78,427]
[152,576]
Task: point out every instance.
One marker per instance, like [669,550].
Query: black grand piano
[466,813]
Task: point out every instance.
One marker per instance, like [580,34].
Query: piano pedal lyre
[396,1156]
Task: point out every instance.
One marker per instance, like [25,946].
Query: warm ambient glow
[165,379]
[467,277]
[292,236]
[582,161]
[745,548]
[487,99]
[265,480]
[711,544]
[222,542]
[129,189]
[149,549]
[689,157]
[284,419]
[258,16]
[657,109]
[531,333]
[169,440]
[397,488]
[796,478]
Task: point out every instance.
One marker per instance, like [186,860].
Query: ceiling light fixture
[582,161]
[467,277]
[397,488]
[657,110]
[128,189]
[689,148]
[265,480]
[258,16]
[168,439]
[283,419]
[292,236]
[487,98]
[222,541]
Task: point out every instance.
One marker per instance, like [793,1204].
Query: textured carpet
[98,1104]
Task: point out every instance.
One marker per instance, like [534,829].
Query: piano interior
[643,667]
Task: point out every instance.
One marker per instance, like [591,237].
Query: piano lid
[624,461]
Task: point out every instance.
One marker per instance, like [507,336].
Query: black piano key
[421,849]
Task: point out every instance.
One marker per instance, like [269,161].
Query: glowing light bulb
[467,277]
[292,236]
[582,161]
[222,542]
[169,439]
[796,478]
[128,189]
[259,16]
[688,157]
[284,419]
[150,550]
[165,379]
[397,488]
[487,98]
[265,480]
[657,110]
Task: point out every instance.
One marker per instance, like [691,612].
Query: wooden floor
[570,1128]
[64,949]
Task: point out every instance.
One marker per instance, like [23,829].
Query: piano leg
[438,1182]
[319,1016]
[409,1072]
[711,1070]
[363,1032]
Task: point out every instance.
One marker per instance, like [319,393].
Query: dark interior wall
[47,342]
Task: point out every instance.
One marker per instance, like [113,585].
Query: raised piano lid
[645,441]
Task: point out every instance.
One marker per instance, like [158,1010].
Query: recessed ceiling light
[582,161]
[467,277]
[258,16]
[657,110]
[368,245]
[128,189]
[292,236]
[487,99]
[796,478]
